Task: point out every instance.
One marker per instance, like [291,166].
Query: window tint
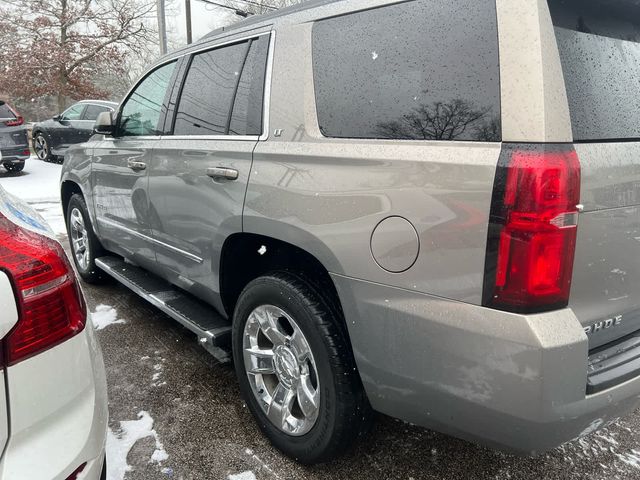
[207,94]
[73,113]
[417,70]
[141,112]
[5,111]
[599,44]
[92,111]
[246,118]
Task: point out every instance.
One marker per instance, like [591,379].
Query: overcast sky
[204,18]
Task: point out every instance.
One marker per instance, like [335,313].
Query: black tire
[344,413]
[14,167]
[89,273]
[41,147]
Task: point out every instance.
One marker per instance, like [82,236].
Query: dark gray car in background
[428,209]
[14,145]
[52,137]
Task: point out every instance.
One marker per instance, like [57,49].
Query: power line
[242,13]
[248,2]
[258,4]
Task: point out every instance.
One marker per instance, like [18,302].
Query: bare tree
[59,47]
[441,121]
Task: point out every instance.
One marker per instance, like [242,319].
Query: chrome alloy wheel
[281,369]
[79,239]
[41,147]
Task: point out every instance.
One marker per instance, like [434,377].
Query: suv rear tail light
[50,305]
[532,231]
[14,122]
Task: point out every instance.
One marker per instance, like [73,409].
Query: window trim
[187,56]
[265,97]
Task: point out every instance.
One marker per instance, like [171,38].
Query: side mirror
[57,117]
[104,124]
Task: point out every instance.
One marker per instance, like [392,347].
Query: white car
[53,393]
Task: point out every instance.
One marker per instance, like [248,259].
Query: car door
[199,172]
[119,169]
[67,127]
[88,120]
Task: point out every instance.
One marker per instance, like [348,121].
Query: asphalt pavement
[155,365]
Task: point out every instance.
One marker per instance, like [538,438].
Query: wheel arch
[246,256]
[67,189]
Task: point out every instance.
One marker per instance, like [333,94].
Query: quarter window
[422,70]
[142,110]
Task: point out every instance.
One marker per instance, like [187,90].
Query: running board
[213,331]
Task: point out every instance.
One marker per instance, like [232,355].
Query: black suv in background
[52,137]
[14,145]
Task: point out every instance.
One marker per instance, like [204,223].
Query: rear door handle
[136,166]
[222,172]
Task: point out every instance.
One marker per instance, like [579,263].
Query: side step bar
[213,331]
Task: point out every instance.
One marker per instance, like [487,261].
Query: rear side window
[421,70]
[5,111]
[92,112]
[209,90]
[142,110]
[599,44]
[246,118]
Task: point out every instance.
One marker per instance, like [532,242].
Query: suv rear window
[5,111]
[599,44]
[425,70]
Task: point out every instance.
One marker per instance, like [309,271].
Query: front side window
[92,111]
[73,113]
[421,70]
[141,111]
[209,90]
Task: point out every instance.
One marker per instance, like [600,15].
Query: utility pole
[187,9]
[162,27]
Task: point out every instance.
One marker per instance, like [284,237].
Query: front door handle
[222,172]
[136,166]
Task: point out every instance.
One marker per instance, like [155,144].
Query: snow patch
[248,475]
[39,182]
[104,316]
[630,458]
[52,213]
[120,443]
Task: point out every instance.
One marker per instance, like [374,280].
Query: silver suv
[426,209]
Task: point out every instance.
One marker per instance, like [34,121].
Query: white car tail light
[50,306]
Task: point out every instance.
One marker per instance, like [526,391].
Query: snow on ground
[104,316]
[119,444]
[52,213]
[248,475]
[38,182]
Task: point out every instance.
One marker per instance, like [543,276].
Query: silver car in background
[425,209]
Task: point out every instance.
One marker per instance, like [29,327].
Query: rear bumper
[514,382]
[58,412]
[14,154]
